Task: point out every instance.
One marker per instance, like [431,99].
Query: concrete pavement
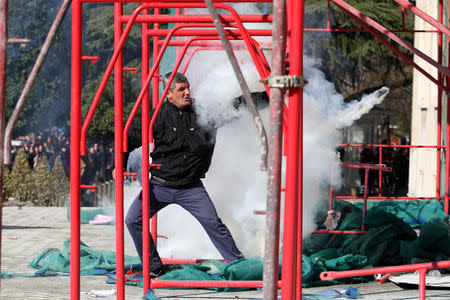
[28,231]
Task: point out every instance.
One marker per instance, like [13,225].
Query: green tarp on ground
[92,262]
[413,212]
[390,240]
[87,215]
[245,269]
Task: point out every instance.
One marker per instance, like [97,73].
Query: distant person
[367,156]
[109,163]
[184,149]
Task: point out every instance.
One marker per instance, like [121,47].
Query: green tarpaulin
[390,240]
[92,262]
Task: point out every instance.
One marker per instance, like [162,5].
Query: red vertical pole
[178,49]
[422,283]
[380,178]
[155,89]
[297,51]
[328,15]
[118,154]
[403,18]
[447,152]
[439,109]
[155,55]
[75,134]
[145,176]
[292,220]
[366,192]
[3,60]
[447,157]
[330,202]
[145,50]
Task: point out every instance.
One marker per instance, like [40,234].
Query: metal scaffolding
[286,118]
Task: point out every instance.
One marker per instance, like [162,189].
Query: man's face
[180,95]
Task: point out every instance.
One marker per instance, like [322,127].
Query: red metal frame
[291,271]
[116,63]
[422,268]
[380,160]
[363,21]
[366,168]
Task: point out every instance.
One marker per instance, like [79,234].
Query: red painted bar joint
[89,186]
[126,174]
[93,59]
[133,70]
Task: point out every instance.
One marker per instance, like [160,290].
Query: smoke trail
[356,109]
[324,112]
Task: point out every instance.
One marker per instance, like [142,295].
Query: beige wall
[422,168]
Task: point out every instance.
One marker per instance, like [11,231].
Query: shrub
[43,183]
[60,183]
[20,184]
[40,187]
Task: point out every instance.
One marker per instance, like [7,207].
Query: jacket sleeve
[134,138]
[261,100]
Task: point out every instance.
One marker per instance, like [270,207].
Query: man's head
[178,93]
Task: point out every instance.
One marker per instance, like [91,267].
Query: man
[184,149]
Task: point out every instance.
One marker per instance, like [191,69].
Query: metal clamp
[284,81]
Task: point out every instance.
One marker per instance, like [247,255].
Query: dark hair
[178,78]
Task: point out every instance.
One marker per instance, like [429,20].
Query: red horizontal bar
[331,275]
[209,32]
[339,231]
[18,40]
[88,186]
[355,165]
[125,174]
[207,284]
[132,69]
[365,30]
[245,19]
[197,19]
[389,146]
[382,197]
[171,2]
[181,43]
[91,58]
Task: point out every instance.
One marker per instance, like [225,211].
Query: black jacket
[183,147]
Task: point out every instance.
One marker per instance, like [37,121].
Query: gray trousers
[196,201]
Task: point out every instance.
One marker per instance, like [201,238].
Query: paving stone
[27,231]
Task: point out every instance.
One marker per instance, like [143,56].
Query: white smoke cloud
[235,183]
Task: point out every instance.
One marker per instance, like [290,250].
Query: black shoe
[158,272]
